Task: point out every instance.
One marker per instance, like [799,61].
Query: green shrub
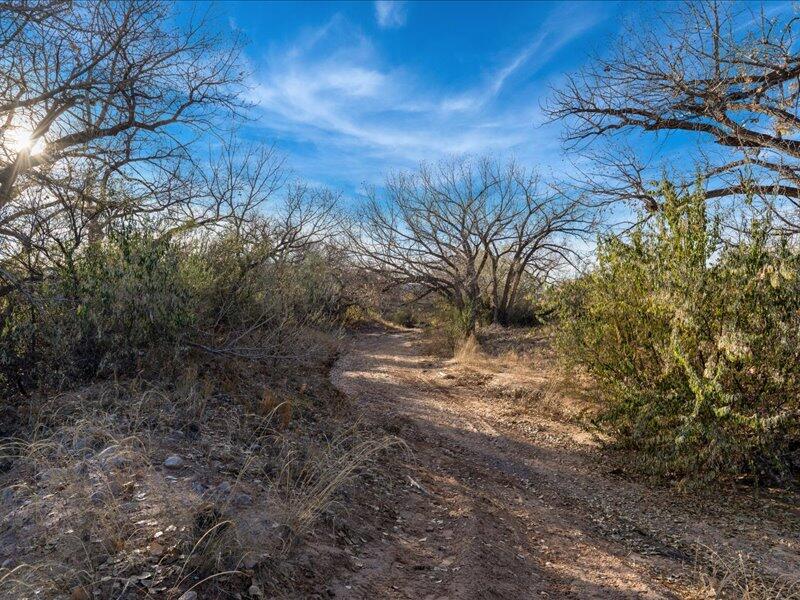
[456,324]
[98,312]
[312,289]
[404,316]
[131,300]
[239,284]
[694,343]
[131,297]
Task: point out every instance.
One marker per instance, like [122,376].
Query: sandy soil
[501,500]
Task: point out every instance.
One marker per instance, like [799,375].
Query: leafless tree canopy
[99,97]
[469,231]
[722,71]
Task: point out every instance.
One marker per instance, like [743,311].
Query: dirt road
[509,503]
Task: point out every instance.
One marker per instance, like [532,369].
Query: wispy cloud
[331,93]
[390,14]
[557,31]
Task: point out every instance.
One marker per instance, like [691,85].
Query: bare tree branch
[100,96]
[719,71]
[469,231]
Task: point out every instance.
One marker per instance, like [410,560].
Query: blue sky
[350,91]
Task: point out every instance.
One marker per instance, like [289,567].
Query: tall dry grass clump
[736,577]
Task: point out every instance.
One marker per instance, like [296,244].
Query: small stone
[100,497]
[198,487]
[190,595]
[224,487]
[52,475]
[109,457]
[156,549]
[255,591]
[173,462]
[118,461]
[243,500]
[80,593]
[8,495]
[250,561]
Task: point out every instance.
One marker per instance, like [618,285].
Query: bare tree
[720,71]
[256,228]
[101,97]
[245,194]
[240,180]
[533,244]
[469,231]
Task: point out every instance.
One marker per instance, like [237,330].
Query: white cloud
[390,14]
[330,93]
[557,31]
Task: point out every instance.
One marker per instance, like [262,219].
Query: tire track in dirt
[480,518]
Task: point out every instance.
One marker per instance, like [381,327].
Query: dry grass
[88,504]
[469,351]
[737,577]
[307,482]
[518,366]
[82,506]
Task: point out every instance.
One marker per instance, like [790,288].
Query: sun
[21,140]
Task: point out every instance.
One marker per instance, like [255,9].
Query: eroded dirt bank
[501,502]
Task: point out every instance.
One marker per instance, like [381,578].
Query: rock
[81,444]
[51,475]
[8,495]
[109,458]
[255,591]
[198,487]
[79,593]
[191,595]
[118,461]
[250,561]
[243,500]
[173,462]
[100,497]
[156,549]
[224,487]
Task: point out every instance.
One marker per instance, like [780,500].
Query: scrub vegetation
[218,380]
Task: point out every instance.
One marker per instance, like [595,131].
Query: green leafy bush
[98,312]
[242,285]
[456,324]
[695,345]
[136,299]
[132,296]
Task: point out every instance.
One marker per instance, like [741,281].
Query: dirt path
[501,503]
